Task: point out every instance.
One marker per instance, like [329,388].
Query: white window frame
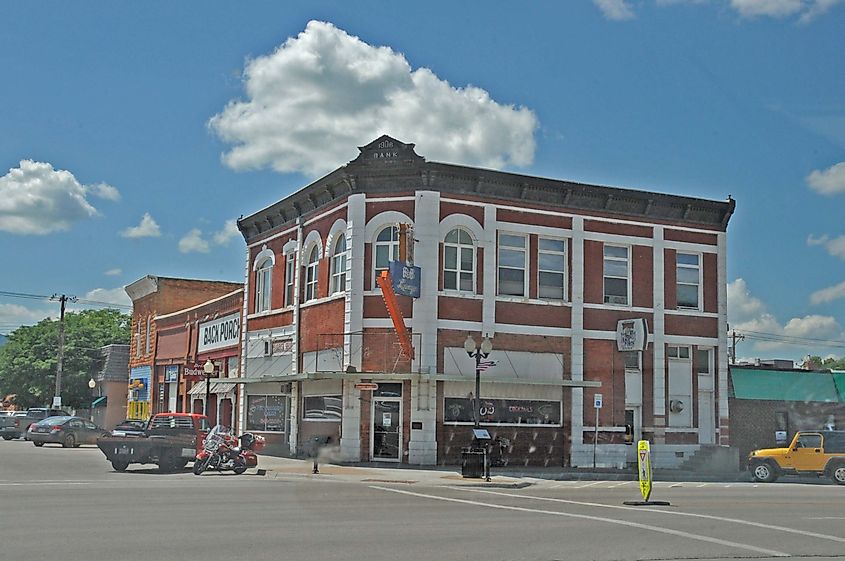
[290,278]
[675,352]
[564,272]
[312,272]
[697,268]
[605,276]
[147,340]
[458,271]
[392,251]
[710,361]
[499,266]
[138,336]
[323,395]
[338,266]
[263,285]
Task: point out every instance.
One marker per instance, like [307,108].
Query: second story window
[512,265]
[138,337]
[147,340]
[458,261]
[386,250]
[290,277]
[263,285]
[552,269]
[616,275]
[311,270]
[688,280]
[339,266]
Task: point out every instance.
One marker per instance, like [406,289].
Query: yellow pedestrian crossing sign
[644,468]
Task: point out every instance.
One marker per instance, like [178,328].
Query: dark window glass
[503,411]
[266,413]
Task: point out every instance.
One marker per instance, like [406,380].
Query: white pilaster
[422,448]
[659,338]
[350,440]
[424,338]
[356,216]
[722,296]
[293,435]
[577,359]
[488,243]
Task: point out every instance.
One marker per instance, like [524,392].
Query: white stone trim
[577,331]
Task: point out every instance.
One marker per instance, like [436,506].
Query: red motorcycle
[222,451]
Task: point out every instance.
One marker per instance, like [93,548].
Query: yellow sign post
[644,468]
[644,474]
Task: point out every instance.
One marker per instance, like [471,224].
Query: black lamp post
[478,352]
[208,369]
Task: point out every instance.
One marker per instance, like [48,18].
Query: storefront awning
[783,385]
[198,388]
[222,387]
[101,401]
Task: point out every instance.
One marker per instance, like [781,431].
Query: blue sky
[133,134]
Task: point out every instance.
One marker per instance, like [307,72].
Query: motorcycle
[222,451]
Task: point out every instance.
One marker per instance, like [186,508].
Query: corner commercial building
[583,289]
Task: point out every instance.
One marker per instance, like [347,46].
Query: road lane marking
[40,484]
[678,533]
[589,484]
[826,518]
[664,511]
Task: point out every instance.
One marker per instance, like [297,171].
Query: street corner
[496,482]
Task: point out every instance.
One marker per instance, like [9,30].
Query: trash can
[472,462]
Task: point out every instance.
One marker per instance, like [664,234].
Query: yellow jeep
[819,453]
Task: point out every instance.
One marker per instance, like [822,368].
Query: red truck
[170,440]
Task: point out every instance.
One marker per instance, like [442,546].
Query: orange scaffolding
[386,283]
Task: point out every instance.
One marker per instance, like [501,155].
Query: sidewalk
[509,477]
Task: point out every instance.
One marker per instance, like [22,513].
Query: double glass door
[387,430]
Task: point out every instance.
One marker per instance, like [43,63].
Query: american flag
[485,364]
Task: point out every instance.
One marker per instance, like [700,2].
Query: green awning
[784,385]
[839,380]
[100,401]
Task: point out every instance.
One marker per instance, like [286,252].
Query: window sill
[534,301]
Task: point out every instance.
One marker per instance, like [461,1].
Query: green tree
[29,360]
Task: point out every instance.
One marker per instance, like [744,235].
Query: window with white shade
[458,261]
[386,249]
[512,260]
[552,269]
[688,280]
[616,275]
[263,286]
[311,270]
[339,265]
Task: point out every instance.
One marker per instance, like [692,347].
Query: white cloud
[809,9]
[830,181]
[748,315]
[148,228]
[37,199]
[13,316]
[229,231]
[109,295]
[834,246]
[113,272]
[324,92]
[617,10]
[193,242]
[828,294]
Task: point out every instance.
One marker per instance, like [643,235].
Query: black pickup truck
[170,440]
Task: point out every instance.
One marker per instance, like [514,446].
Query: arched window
[311,273]
[458,261]
[339,265]
[263,285]
[386,250]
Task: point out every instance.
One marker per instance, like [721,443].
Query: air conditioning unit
[616,300]
[676,405]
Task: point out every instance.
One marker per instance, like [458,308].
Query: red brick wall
[459,308]
[593,272]
[670,276]
[606,320]
[711,283]
[374,306]
[319,320]
[380,351]
[447,209]
[619,229]
[405,207]
[534,314]
[533,267]
[691,326]
[515,216]
[275,320]
[691,237]
[604,363]
[642,282]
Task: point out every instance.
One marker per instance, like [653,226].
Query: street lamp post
[478,352]
[208,369]
[92,383]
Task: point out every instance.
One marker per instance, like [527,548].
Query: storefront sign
[406,279]
[631,335]
[219,333]
[503,411]
[196,373]
[366,386]
[171,373]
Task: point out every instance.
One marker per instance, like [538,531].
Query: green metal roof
[839,380]
[786,385]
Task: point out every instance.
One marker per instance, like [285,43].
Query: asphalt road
[68,504]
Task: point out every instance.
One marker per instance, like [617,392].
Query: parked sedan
[67,431]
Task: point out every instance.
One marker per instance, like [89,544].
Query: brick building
[154,296]
[185,341]
[582,289]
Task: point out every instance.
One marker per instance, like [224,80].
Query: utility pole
[734,338]
[63,299]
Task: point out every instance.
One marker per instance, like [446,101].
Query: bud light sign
[406,279]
